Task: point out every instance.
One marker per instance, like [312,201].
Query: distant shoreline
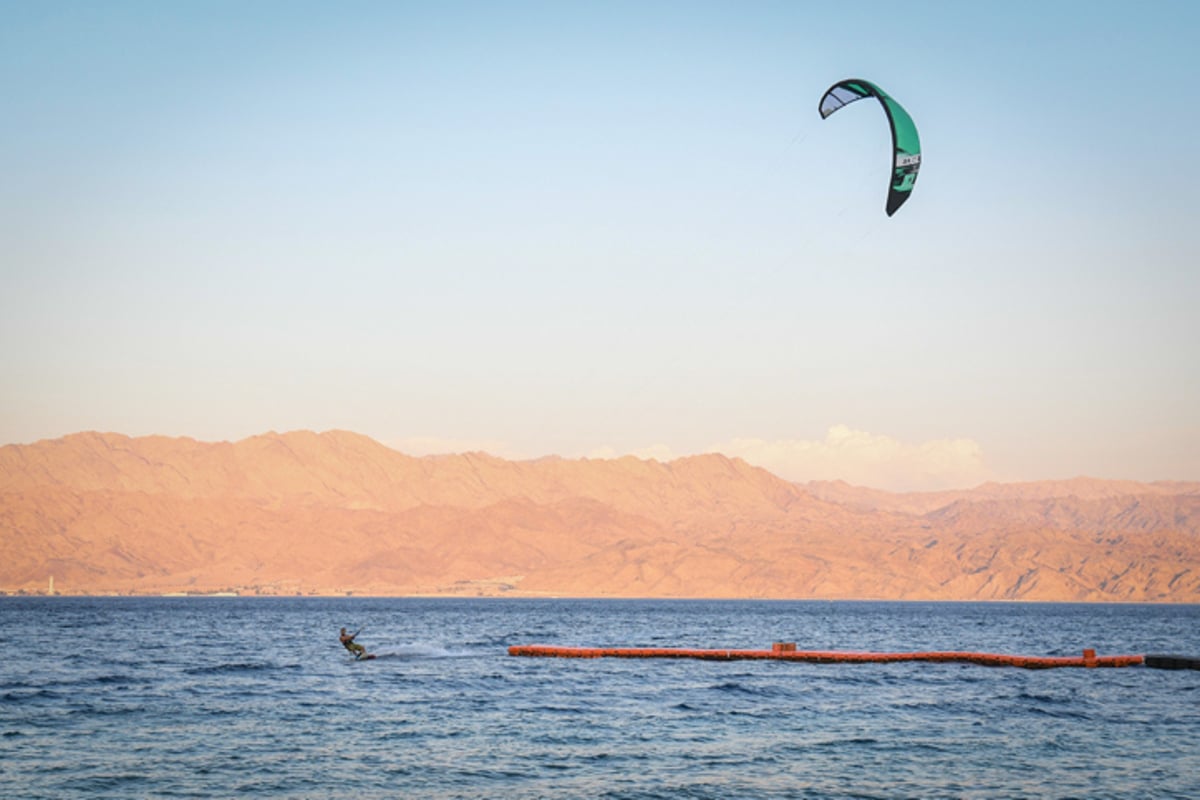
[561,597]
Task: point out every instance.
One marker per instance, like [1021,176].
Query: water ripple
[445,713]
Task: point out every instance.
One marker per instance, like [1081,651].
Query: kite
[905,142]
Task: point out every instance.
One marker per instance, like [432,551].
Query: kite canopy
[905,142]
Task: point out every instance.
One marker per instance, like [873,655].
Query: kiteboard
[365,657]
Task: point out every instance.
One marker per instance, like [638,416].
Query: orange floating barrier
[786,651]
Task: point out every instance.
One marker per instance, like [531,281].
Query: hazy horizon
[593,230]
[419,449]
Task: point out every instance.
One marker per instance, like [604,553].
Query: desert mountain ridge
[337,513]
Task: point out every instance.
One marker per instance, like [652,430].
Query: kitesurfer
[354,647]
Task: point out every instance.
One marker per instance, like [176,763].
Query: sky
[599,229]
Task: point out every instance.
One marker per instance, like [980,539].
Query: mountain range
[339,513]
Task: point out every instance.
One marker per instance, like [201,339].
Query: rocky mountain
[337,512]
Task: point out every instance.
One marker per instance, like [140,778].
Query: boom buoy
[785,651]
[1171,662]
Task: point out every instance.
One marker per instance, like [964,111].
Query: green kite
[905,142]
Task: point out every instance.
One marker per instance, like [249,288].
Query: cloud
[858,457]
[868,459]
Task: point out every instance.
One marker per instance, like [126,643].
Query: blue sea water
[246,698]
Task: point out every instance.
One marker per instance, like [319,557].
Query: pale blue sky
[590,229]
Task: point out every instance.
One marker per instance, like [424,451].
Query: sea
[255,698]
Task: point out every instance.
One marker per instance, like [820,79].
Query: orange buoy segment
[782,653]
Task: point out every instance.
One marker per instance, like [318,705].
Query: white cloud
[868,459]
[858,457]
